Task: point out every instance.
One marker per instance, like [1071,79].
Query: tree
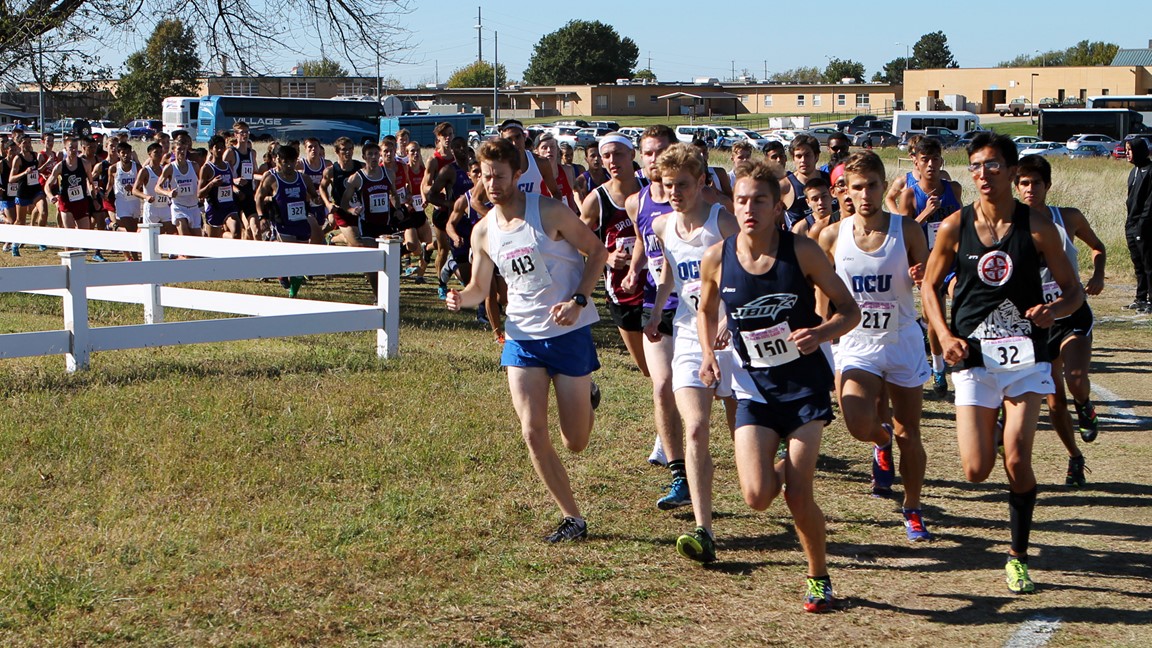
[893,71]
[838,69]
[324,67]
[581,52]
[931,52]
[167,67]
[478,75]
[245,30]
[1084,53]
[644,74]
[798,75]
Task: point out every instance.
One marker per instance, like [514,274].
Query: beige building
[983,88]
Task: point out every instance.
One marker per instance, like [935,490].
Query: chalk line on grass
[1119,410]
[1033,633]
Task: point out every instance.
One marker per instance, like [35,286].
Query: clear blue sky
[697,39]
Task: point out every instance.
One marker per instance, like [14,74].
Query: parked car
[822,133]
[685,134]
[1120,153]
[1091,149]
[882,139]
[783,135]
[632,133]
[611,125]
[947,136]
[967,138]
[566,135]
[1024,141]
[475,138]
[586,136]
[1077,140]
[1045,149]
[752,137]
[143,129]
[856,123]
[6,129]
[578,123]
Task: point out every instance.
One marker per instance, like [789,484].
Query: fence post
[76,309]
[153,309]
[388,298]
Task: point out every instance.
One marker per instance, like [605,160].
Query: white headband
[615,138]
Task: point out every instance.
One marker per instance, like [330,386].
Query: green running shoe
[697,546]
[1018,580]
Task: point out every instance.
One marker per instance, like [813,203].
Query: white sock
[937,363]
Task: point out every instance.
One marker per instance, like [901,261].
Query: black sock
[1020,507]
[677,468]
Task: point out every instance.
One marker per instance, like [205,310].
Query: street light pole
[1032,98]
[907,56]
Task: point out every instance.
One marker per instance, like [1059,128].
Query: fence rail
[143,282]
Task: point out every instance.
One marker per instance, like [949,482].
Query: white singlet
[532,181]
[684,256]
[159,211]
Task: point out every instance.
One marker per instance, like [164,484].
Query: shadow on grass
[977,610]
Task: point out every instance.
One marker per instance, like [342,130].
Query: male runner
[157,207]
[805,154]
[997,332]
[685,234]
[377,195]
[1069,339]
[242,159]
[765,279]
[70,187]
[880,257]
[216,190]
[180,183]
[838,148]
[450,181]
[290,192]
[818,195]
[121,177]
[539,246]
[332,188]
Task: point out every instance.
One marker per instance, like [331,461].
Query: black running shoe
[1076,470]
[570,529]
[1086,421]
[595,395]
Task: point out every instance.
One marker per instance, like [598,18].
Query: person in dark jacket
[1138,226]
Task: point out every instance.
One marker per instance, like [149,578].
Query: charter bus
[918,121]
[1140,103]
[275,118]
[1061,124]
[179,113]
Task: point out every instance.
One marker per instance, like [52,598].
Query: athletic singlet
[1048,284]
[101,175]
[223,192]
[531,181]
[617,232]
[73,183]
[186,185]
[590,183]
[30,186]
[995,286]
[684,256]
[374,197]
[162,202]
[465,226]
[315,175]
[878,281]
[540,273]
[291,198]
[566,195]
[462,182]
[340,179]
[646,212]
[948,205]
[11,189]
[409,182]
[245,165]
[799,208]
[763,310]
[125,180]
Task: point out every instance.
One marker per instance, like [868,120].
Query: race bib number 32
[1008,354]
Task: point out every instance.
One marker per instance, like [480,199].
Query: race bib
[184,186]
[878,319]
[378,203]
[690,294]
[933,228]
[161,199]
[626,243]
[402,193]
[13,188]
[246,169]
[75,193]
[770,347]
[297,211]
[1052,292]
[33,178]
[418,202]
[1008,354]
[224,193]
[524,270]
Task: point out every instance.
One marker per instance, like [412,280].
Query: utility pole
[765,77]
[479,39]
[733,77]
[495,77]
[437,72]
[649,60]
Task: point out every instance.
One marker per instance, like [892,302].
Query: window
[863,99]
[653,98]
[240,88]
[767,100]
[631,101]
[841,100]
[816,100]
[357,88]
[799,100]
[601,101]
[300,89]
[1103,91]
[567,104]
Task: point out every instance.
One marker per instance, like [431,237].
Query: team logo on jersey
[995,268]
[768,306]
[1004,321]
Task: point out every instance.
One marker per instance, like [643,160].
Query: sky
[684,40]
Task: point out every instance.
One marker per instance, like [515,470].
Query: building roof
[1129,57]
[18,114]
[699,95]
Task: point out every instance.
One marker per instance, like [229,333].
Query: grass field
[299,492]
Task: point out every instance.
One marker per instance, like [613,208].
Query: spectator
[1138,226]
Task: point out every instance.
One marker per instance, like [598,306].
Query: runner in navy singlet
[216,190]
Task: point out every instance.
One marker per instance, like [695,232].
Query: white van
[918,121]
[180,113]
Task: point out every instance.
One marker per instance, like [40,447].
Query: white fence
[142,282]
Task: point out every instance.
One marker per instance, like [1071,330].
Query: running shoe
[782,450]
[7,247]
[16,249]
[98,258]
[658,458]
[441,291]
[998,431]
[595,395]
[677,496]
[43,248]
[284,283]
[294,286]
[939,383]
[1076,469]
[1085,417]
[818,598]
[409,271]
[914,526]
[697,546]
[1018,580]
[1136,305]
[422,281]
[570,529]
[883,469]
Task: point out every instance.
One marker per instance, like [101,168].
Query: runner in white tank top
[155,204]
[180,182]
[880,257]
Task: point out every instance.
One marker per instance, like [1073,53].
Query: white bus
[179,113]
[918,121]
[1140,103]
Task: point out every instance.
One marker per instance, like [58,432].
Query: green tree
[323,67]
[893,71]
[839,69]
[644,74]
[167,67]
[581,52]
[798,75]
[931,52]
[1084,53]
[477,75]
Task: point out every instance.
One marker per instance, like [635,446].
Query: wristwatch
[580,300]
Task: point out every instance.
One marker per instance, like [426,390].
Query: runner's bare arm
[917,246]
[639,255]
[894,198]
[1079,227]
[708,313]
[1051,247]
[549,180]
[940,262]
[459,210]
[819,270]
[482,266]
[559,221]
[138,186]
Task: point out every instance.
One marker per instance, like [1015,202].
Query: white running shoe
[657,458]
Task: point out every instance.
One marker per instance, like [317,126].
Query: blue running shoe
[914,526]
[98,257]
[15,249]
[43,248]
[441,291]
[677,496]
[883,467]
[939,383]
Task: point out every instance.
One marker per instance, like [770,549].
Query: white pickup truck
[1016,107]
